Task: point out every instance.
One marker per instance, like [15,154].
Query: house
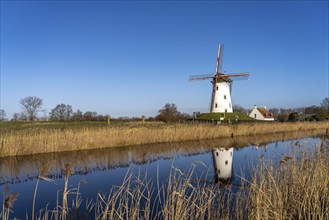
[261,114]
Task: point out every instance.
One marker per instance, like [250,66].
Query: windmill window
[255,116]
[225,110]
[224,96]
[215,105]
[226,162]
[216,87]
[216,153]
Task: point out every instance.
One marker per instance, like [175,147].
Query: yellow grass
[33,141]
[297,189]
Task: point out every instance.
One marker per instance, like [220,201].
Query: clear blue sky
[131,58]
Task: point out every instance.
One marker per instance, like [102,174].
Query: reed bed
[297,187]
[39,140]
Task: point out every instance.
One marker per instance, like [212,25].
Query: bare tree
[31,106]
[45,113]
[78,115]
[2,115]
[19,117]
[239,108]
[15,117]
[169,113]
[325,102]
[90,116]
[61,112]
[274,111]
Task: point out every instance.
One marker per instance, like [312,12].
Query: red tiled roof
[265,112]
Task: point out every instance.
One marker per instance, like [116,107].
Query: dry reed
[35,141]
[45,170]
[9,200]
[297,189]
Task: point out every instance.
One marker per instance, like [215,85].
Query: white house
[261,114]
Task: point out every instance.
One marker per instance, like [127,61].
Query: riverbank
[45,139]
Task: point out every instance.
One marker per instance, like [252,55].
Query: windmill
[222,158]
[221,85]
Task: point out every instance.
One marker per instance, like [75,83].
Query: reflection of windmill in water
[223,159]
[221,85]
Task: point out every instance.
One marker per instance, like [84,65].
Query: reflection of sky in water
[102,180]
[247,157]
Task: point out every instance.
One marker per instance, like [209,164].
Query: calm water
[223,160]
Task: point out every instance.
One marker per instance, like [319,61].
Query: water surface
[216,161]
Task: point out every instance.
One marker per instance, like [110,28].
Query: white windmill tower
[223,159]
[222,85]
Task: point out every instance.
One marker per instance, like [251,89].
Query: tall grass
[42,176]
[38,140]
[8,201]
[295,188]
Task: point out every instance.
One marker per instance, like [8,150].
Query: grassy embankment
[33,138]
[297,188]
[226,116]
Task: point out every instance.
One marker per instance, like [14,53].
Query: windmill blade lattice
[219,62]
[202,77]
[235,76]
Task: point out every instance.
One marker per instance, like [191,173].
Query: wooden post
[108,120]
[143,119]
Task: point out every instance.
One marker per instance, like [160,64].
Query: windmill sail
[234,76]
[231,84]
[214,81]
[202,77]
[219,59]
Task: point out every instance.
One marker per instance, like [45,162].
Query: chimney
[255,106]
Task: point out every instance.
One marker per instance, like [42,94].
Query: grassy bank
[296,188]
[227,116]
[47,138]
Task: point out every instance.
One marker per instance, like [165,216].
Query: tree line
[32,105]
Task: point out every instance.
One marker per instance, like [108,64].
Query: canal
[220,162]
